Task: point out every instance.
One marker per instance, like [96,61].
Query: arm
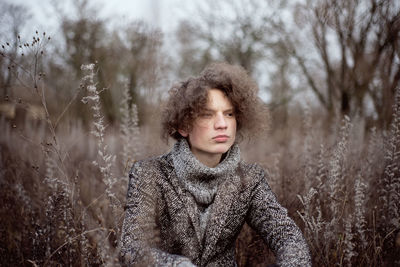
[270,220]
[140,234]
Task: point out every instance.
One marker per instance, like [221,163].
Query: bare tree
[356,52]
[85,38]
[244,33]
[345,52]
[124,55]
[238,32]
[138,61]
[143,45]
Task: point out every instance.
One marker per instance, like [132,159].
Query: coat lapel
[188,202]
[220,211]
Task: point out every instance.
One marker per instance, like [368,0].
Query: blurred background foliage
[340,56]
[327,69]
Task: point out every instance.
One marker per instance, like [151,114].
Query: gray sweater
[180,212]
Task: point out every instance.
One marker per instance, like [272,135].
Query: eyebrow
[211,110]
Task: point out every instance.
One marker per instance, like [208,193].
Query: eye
[205,115]
[230,114]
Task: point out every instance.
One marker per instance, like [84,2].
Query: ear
[183,133]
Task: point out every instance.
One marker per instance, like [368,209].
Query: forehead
[217,99]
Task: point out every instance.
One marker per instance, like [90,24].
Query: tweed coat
[162,226]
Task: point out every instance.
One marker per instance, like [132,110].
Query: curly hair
[188,98]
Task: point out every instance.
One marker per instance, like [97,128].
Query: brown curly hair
[188,98]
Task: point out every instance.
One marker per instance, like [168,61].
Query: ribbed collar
[202,181]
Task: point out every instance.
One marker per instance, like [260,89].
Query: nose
[220,122]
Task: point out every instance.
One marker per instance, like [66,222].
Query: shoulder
[253,169]
[152,166]
[144,165]
[252,173]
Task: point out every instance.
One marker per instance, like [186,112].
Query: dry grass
[62,186]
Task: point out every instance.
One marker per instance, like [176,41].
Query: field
[78,109]
[63,185]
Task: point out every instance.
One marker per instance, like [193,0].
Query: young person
[187,207]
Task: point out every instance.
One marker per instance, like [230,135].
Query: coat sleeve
[271,221]
[140,237]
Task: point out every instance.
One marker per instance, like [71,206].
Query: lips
[221,138]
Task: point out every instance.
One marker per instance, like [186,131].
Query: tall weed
[66,187]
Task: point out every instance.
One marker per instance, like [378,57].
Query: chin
[223,148]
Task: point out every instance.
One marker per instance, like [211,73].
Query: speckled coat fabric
[182,213]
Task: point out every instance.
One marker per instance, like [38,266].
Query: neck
[191,163]
[201,178]
[210,160]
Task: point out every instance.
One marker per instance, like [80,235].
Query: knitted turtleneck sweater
[202,181]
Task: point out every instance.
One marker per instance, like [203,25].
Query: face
[214,130]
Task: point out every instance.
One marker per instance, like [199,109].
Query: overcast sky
[161,13]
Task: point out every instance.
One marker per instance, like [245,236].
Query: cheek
[233,126]
[200,131]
